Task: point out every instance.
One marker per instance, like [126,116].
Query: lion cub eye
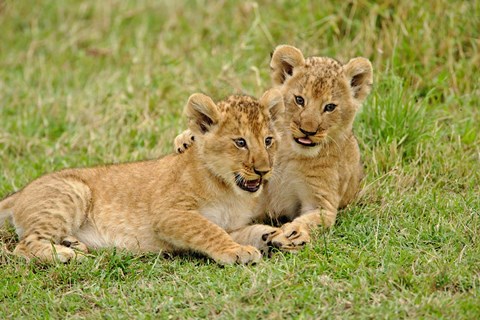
[329,107]
[240,143]
[299,100]
[268,141]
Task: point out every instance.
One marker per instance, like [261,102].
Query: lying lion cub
[201,200]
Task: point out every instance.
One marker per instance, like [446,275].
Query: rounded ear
[202,113]
[284,59]
[272,100]
[359,73]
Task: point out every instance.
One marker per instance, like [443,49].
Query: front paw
[239,254]
[297,233]
[183,141]
[278,240]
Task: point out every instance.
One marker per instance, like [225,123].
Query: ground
[91,82]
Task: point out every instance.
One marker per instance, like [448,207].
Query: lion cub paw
[297,233]
[64,255]
[240,254]
[48,253]
[277,239]
[74,243]
[183,141]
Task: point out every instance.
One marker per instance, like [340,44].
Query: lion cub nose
[261,172]
[308,133]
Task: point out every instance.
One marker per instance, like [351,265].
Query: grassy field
[91,82]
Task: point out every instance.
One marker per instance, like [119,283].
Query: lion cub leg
[190,230]
[48,213]
[263,237]
[298,231]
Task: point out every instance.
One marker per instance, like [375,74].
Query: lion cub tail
[6,206]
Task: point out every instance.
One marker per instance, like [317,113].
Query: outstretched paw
[297,233]
[277,239]
[239,254]
[183,141]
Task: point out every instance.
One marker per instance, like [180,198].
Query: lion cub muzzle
[307,138]
[251,184]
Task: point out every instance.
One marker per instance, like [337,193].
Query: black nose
[261,173]
[308,133]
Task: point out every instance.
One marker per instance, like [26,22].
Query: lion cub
[201,200]
[318,168]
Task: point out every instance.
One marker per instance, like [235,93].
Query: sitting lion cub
[318,168]
[201,200]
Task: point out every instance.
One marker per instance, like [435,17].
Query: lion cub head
[237,138]
[321,96]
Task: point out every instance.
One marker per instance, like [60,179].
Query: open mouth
[305,141]
[248,185]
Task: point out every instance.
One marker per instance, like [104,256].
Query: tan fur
[311,183]
[189,201]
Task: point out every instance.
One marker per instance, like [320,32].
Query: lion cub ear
[272,100]
[202,113]
[284,60]
[359,73]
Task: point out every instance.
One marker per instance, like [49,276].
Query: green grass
[91,82]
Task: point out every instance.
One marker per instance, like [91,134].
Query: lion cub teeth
[252,183]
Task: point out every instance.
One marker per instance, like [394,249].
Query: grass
[91,82]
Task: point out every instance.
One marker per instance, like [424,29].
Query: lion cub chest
[289,193]
[230,213]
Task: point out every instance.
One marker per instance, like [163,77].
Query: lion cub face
[237,138]
[321,96]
